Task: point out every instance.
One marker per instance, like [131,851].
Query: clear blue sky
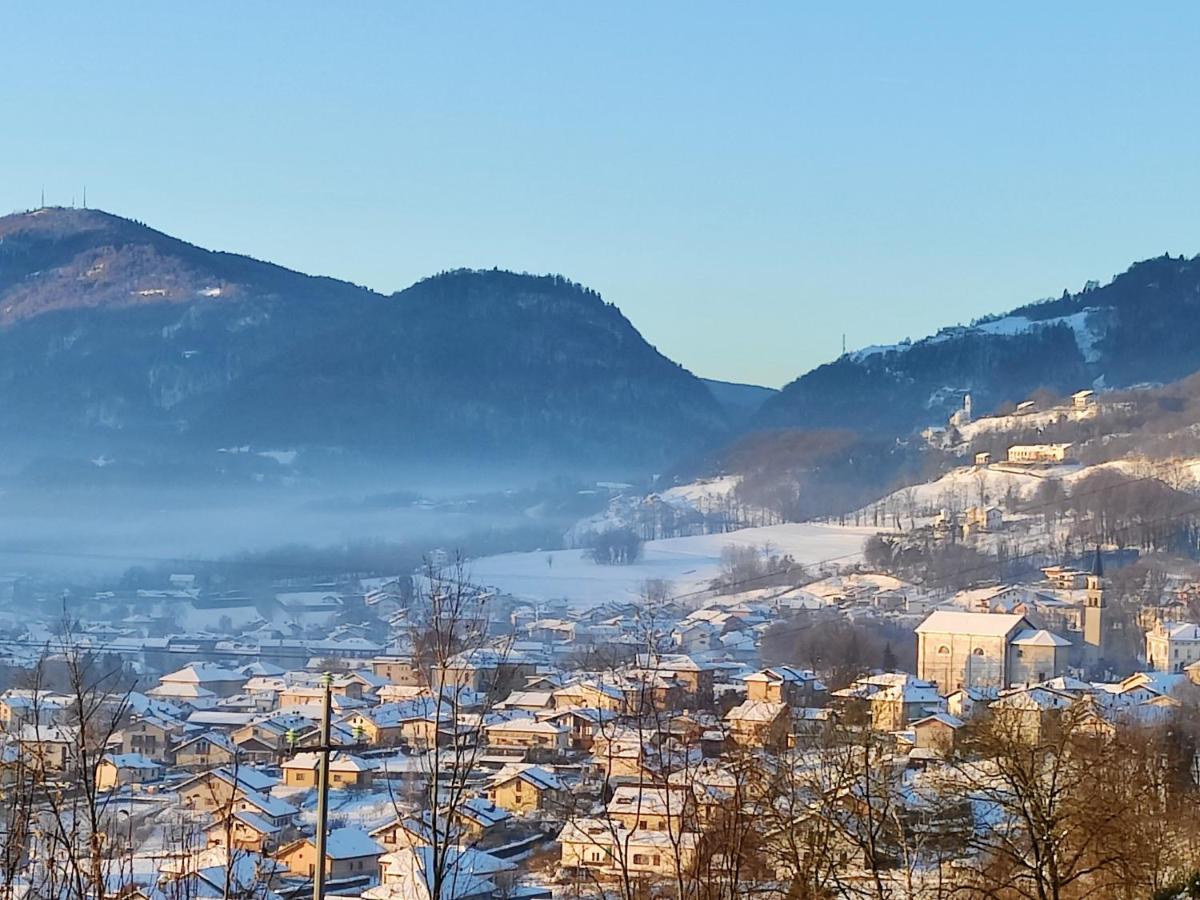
[747,182]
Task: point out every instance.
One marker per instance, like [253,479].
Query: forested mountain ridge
[1144,326]
[115,336]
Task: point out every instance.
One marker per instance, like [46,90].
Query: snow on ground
[689,563]
[971,486]
[701,495]
[1088,330]
[697,494]
[989,485]
[1037,419]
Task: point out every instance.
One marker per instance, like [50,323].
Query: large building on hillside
[986,651]
[1172,647]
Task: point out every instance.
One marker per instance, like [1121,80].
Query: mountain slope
[117,337]
[740,401]
[1142,326]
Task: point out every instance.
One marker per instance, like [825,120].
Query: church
[993,651]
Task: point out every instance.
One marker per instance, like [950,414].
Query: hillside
[740,401]
[118,339]
[1141,327]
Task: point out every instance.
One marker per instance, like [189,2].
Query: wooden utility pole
[323,789]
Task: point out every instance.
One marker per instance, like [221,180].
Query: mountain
[740,401]
[1144,326]
[115,338]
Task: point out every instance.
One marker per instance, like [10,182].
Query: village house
[243,830]
[1027,712]
[784,684]
[581,724]
[758,723]
[349,853]
[416,723]
[936,733]
[641,808]
[151,736]
[523,789]
[477,817]
[119,770]
[222,789]
[204,751]
[21,706]
[469,874]
[185,682]
[346,772]
[398,670]
[889,700]
[527,733]
[48,748]
[695,678]
[591,694]
[608,851]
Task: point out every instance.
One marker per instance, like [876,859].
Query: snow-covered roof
[527,724]
[756,711]
[540,778]
[944,621]
[339,761]
[776,674]
[131,761]
[1184,631]
[202,673]
[348,843]
[940,718]
[529,699]
[1039,637]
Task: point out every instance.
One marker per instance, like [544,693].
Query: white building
[985,650]
[1032,454]
[1172,647]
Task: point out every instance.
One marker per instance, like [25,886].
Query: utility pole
[323,789]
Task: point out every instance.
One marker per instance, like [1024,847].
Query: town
[819,730]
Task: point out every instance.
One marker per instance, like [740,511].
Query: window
[943,649]
[978,651]
[639,859]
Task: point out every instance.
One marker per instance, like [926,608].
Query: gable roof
[1039,637]
[945,621]
[539,778]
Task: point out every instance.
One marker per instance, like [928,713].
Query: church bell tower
[1093,611]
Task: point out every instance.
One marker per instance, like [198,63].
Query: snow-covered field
[1038,419]
[688,563]
[701,495]
[989,485]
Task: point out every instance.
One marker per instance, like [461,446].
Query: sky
[747,182]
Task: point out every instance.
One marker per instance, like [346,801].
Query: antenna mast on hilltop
[85,196]
[843,343]
[43,206]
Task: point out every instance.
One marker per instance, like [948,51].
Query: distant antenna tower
[85,196]
[843,343]
[43,206]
